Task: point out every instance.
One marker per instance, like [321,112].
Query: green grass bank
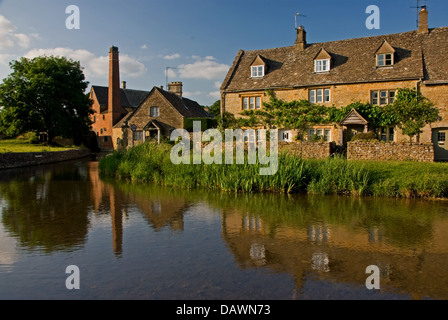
[151,163]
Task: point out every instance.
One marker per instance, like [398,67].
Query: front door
[439,138]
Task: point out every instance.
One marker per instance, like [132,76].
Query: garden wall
[25,159]
[373,150]
[308,150]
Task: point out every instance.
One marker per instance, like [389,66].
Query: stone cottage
[339,73]
[124,117]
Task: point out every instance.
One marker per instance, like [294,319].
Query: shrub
[29,137]
[365,136]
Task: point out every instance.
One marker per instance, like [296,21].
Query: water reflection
[332,239]
[44,211]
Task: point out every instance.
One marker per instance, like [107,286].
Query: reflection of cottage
[126,117]
[339,73]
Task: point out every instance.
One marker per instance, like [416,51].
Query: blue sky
[196,39]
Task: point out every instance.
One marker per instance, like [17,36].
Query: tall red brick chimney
[114,103]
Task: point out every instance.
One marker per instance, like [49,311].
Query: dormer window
[385,55]
[322,65]
[258,67]
[322,61]
[257,71]
[385,59]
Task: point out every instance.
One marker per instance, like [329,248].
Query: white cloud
[215,94]
[191,94]
[218,84]
[9,38]
[144,46]
[203,68]
[94,66]
[172,56]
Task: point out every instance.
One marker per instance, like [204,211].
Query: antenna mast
[166,75]
[418,7]
[295,18]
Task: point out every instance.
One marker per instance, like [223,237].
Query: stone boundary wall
[308,150]
[373,150]
[25,159]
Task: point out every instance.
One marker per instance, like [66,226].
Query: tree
[45,94]
[413,112]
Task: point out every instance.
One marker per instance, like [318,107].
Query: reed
[151,163]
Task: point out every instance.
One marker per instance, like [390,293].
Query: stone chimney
[175,87]
[300,43]
[423,21]
[114,103]
[123,84]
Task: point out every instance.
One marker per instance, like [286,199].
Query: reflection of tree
[47,209]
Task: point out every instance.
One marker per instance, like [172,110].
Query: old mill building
[339,73]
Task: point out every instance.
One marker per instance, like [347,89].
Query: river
[141,242]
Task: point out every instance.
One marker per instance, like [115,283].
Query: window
[138,135]
[106,138]
[251,103]
[94,119]
[384,59]
[249,135]
[322,65]
[387,134]
[382,97]
[319,95]
[257,71]
[441,137]
[154,111]
[321,133]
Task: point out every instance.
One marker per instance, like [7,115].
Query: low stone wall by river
[308,150]
[25,159]
[372,150]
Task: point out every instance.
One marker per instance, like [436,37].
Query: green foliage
[215,108]
[413,111]
[150,163]
[45,94]
[205,123]
[29,137]
[365,136]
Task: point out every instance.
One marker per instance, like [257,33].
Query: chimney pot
[123,84]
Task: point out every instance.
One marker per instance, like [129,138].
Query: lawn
[16,146]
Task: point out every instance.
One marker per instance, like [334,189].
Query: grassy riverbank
[150,163]
[16,146]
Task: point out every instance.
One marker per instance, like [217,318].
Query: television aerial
[295,18]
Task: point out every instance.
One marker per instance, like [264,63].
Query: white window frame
[385,60]
[321,132]
[250,136]
[257,71]
[387,134]
[322,95]
[322,65]
[154,111]
[382,97]
[252,103]
[138,135]
[285,135]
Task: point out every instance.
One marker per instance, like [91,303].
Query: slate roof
[186,107]
[130,99]
[417,56]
